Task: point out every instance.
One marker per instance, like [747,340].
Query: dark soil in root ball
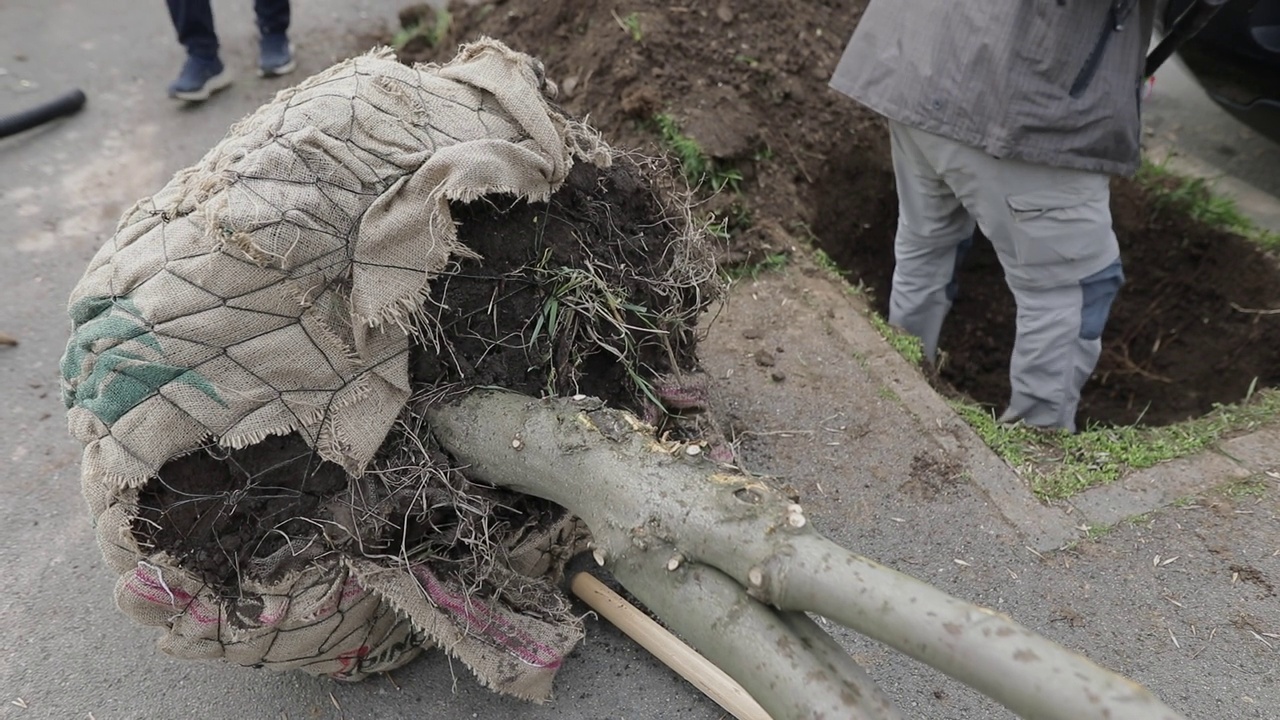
[622,275]
[748,83]
[544,309]
[216,511]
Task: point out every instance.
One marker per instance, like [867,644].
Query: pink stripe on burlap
[481,620]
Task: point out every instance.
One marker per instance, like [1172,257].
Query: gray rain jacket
[1052,82]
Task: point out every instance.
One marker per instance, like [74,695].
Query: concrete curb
[1044,527]
[1155,487]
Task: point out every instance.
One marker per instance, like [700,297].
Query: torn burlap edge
[397,243]
[341,616]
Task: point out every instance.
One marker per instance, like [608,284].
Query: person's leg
[1058,229]
[273,16]
[275,54]
[203,73]
[932,225]
[1051,229]
[1057,347]
[193,19]
[1098,291]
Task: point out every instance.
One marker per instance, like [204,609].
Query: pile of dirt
[597,291]
[748,82]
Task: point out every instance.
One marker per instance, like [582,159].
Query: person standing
[1011,116]
[203,73]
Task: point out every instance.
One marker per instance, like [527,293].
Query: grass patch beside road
[907,345]
[1195,197]
[1058,465]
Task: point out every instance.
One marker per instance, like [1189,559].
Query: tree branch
[637,493]
[1027,673]
[783,659]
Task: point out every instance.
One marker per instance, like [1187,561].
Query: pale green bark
[784,660]
[648,502]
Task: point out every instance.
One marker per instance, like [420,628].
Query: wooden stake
[676,655]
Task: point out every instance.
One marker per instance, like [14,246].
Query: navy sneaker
[199,79]
[275,55]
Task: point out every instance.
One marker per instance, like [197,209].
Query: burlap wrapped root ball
[253,349]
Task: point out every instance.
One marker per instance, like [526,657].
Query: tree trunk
[732,565]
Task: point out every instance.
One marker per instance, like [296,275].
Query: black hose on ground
[68,104]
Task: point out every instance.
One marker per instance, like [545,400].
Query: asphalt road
[64,651]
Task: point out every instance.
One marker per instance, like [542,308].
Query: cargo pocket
[1062,225]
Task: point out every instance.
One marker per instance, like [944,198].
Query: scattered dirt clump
[748,83]
[1255,576]
[930,477]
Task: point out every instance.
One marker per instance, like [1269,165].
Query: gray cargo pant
[1051,229]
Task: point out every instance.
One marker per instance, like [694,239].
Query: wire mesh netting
[253,351]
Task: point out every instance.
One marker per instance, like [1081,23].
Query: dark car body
[1236,59]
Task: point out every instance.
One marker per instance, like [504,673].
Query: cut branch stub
[645,500]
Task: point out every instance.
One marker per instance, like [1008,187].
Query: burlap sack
[273,288]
